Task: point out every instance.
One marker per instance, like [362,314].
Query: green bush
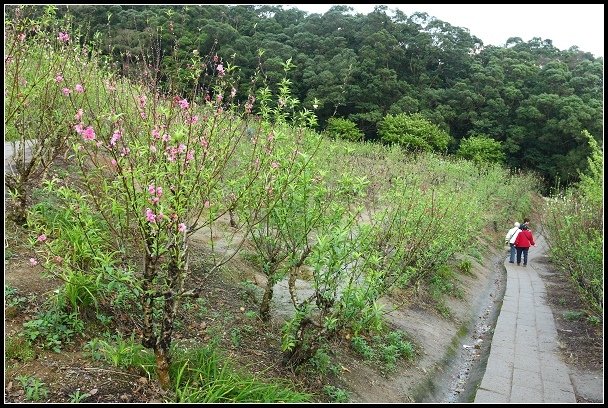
[481,149]
[413,132]
[340,128]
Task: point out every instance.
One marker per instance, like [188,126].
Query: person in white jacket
[510,239]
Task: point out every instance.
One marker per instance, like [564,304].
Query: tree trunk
[162,368]
[265,305]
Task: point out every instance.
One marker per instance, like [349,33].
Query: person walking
[523,242]
[510,240]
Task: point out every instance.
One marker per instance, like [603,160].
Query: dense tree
[532,97]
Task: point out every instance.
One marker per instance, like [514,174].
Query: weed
[77,397]
[465,266]
[34,387]
[573,315]
[594,320]
[362,347]
[335,393]
[18,348]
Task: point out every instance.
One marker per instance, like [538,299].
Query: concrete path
[524,365]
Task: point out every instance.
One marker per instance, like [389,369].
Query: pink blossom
[58,78]
[125,151]
[115,137]
[181,148]
[207,204]
[41,238]
[88,133]
[143,114]
[233,92]
[150,217]
[189,155]
[78,115]
[63,37]
[66,91]
[21,37]
[220,97]
[151,189]
[142,100]
[78,88]
[155,200]
[33,262]
[159,191]
[220,70]
[194,119]
[166,137]
[114,163]
[183,103]
[204,142]
[274,165]
[181,227]
[155,134]
[216,58]
[78,128]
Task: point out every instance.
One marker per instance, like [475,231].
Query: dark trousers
[525,252]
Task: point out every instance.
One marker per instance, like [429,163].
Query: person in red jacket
[523,242]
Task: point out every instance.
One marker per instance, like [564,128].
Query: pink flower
[166,137]
[88,133]
[189,155]
[233,93]
[181,148]
[181,227]
[159,191]
[78,88]
[78,128]
[155,200]
[207,204]
[115,137]
[33,262]
[114,163]
[66,91]
[78,115]
[274,165]
[220,70]
[155,134]
[219,98]
[216,58]
[183,103]
[142,100]
[151,189]
[58,78]
[21,37]
[125,151]
[63,37]
[194,119]
[41,238]
[204,142]
[150,217]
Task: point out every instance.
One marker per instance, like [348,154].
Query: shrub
[340,128]
[413,132]
[481,149]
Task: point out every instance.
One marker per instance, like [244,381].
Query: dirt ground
[442,371]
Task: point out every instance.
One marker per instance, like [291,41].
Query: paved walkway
[524,365]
